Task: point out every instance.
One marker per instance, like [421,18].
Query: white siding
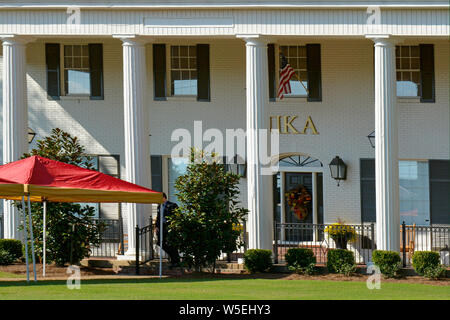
[279,22]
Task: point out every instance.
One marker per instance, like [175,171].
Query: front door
[300,185]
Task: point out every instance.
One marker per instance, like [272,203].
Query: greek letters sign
[290,125]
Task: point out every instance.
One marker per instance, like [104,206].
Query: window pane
[404,63]
[293,63]
[184,63]
[177,167]
[406,76]
[67,50]
[404,51]
[175,51]
[85,62]
[193,63]
[78,82]
[183,51]
[302,63]
[175,63]
[415,77]
[414,192]
[415,63]
[76,51]
[192,51]
[292,51]
[68,62]
[85,51]
[415,52]
[407,89]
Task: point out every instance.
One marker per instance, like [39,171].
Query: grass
[210,288]
[10,275]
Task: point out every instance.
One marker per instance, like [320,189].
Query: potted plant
[341,234]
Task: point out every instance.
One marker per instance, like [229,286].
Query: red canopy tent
[41,179]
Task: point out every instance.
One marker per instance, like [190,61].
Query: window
[177,167]
[183,70]
[76,70]
[297,59]
[414,192]
[408,71]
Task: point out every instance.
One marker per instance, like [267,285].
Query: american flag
[286,74]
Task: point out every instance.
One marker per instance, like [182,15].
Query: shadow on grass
[190,278]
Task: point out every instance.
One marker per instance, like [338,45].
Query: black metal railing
[424,238]
[111,238]
[317,237]
[144,245]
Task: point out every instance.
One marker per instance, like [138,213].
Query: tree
[207,222]
[70,226]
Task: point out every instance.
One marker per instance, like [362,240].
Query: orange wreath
[298,200]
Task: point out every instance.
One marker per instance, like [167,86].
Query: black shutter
[440,191]
[271,61]
[52,59]
[427,73]
[96,70]
[156,164]
[314,72]
[159,71]
[368,202]
[203,86]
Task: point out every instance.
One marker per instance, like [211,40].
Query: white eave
[217,4]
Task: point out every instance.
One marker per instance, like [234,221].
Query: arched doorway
[299,177]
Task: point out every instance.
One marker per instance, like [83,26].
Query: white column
[136,125]
[15,117]
[386,146]
[259,183]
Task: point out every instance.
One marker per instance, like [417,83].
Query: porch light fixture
[31,135]
[371,138]
[338,169]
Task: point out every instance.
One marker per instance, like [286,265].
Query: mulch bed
[53,273]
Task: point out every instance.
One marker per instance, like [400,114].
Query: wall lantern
[371,138]
[338,169]
[31,135]
[238,166]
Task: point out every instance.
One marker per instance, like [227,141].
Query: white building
[114,72]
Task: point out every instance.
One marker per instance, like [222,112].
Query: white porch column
[15,116]
[386,146]
[136,125]
[259,184]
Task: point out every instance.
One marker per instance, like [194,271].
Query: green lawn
[10,275]
[209,288]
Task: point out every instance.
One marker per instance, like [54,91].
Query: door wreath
[298,200]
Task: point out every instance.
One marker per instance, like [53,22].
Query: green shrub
[425,259]
[389,262]
[427,263]
[258,260]
[12,246]
[6,257]
[301,260]
[341,261]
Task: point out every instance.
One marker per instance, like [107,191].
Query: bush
[6,257]
[341,261]
[258,260]
[427,263]
[301,260]
[389,262]
[12,246]
[205,224]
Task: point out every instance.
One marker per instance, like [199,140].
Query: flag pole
[32,237]
[161,218]
[44,237]
[25,237]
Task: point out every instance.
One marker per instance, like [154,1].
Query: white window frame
[62,68]
[277,69]
[170,94]
[408,98]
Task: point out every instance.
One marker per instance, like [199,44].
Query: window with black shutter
[185,71]
[157,177]
[74,70]
[305,61]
